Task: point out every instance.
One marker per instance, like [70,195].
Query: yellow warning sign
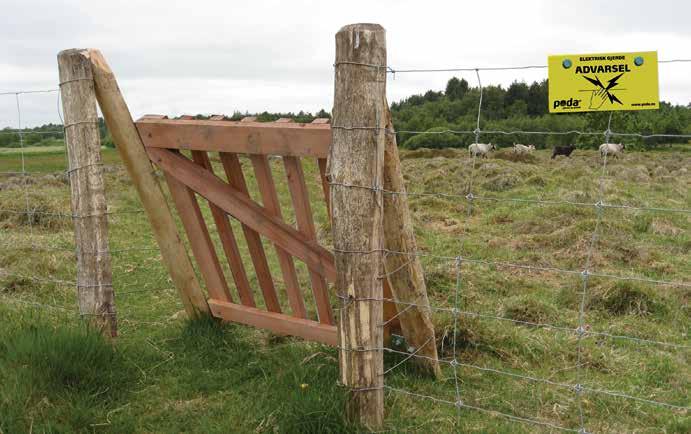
[603,82]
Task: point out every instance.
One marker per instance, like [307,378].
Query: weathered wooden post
[134,156]
[356,161]
[404,270]
[89,206]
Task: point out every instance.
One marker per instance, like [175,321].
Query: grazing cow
[563,150]
[615,149]
[481,149]
[523,149]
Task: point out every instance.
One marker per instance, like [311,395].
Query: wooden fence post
[404,271]
[133,154]
[89,206]
[357,158]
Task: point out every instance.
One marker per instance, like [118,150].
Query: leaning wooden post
[133,154]
[404,270]
[357,157]
[89,206]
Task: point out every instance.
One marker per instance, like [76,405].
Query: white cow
[614,149]
[481,149]
[523,149]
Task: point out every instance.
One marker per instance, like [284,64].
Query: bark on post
[357,157]
[89,206]
[136,160]
[404,272]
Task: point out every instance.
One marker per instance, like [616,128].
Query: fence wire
[580,388]
[461,262]
[33,241]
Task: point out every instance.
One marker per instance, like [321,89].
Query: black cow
[562,150]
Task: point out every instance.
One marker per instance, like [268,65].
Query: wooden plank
[198,235]
[133,155]
[275,322]
[267,188]
[236,179]
[87,192]
[322,163]
[270,138]
[237,204]
[305,222]
[227,237]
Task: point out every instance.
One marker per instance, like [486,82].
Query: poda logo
[567,103]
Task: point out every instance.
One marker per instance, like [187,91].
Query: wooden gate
[188,177]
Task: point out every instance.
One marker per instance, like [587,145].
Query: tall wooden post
[357,158]
[136,160]
[89,206]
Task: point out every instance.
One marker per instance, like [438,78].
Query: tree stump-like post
[89,206]
[357,159]
[140,170]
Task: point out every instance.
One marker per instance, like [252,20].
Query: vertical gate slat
[321,162]
[228,241]
[267,188]
[303,215]
[202,247]
[233,169]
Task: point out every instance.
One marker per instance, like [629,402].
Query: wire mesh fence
[29,241]
[38,250]
[468,258]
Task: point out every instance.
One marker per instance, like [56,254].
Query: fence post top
[372,27]
[71,51]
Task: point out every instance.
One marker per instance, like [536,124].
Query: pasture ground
[165,374]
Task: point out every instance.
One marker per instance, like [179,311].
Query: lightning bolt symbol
[613,81]
[595,81]
[613,98]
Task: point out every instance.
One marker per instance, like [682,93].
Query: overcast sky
[175,57]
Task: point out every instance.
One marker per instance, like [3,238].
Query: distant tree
[493,102]
[432,96]
[456,89]
[517,91]
[518,108]
[323,114]
[537,98]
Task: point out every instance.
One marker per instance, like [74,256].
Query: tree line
[46,135]
[520,107]
[523,107]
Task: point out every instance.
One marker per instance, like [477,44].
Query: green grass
[164,374]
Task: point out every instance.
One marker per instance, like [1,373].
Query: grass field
[165,374]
